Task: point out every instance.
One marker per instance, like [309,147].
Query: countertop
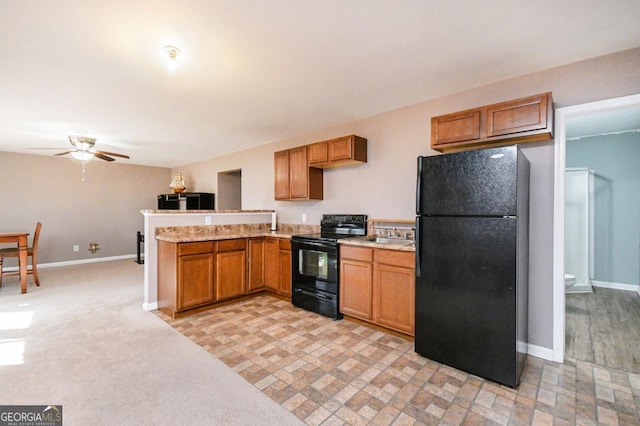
[366,242]
[187,234]
[187,237]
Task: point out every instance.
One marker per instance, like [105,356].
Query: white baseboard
[150,306]
[579,288]
[78,262]
[616,286]
[540,352]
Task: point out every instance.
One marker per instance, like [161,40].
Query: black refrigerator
[472,255]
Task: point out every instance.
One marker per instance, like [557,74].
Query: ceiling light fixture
[172,51]
[83,147]
[82,155]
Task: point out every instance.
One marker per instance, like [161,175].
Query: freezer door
[466,295]
[472,183]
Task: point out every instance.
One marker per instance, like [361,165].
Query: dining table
[19,238]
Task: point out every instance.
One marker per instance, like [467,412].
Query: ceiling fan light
[83,143]
[82,155]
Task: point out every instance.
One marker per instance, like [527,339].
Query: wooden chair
[32,252]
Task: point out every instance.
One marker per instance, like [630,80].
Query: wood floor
[603,327]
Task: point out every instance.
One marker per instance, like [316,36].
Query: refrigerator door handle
[419,188]
[418,239]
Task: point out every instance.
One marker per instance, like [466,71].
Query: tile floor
[339,372]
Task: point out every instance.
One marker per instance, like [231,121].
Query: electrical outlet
[207,220]
[76,247]
[304,217]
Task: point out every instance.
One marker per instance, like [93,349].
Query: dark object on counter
[472,261]
[187,201]
[314,263]
[139,242]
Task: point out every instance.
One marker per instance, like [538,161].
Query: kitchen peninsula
[194,224]
[199,266]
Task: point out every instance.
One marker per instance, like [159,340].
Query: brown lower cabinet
[284,273]
[356,285]
[271,264]
[185,275]
[277,266]
[256,265]
[197,274]
[394,288]
[378,286]
[231,264]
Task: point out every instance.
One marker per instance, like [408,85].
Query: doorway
[230,190]
[564,118]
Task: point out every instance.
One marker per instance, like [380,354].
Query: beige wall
[105,208]
[385,186]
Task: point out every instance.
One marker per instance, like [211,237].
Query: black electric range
[315,263]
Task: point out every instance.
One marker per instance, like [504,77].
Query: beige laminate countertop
[365,242]
[183,236]
[188,237]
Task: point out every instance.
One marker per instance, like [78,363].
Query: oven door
[314,266]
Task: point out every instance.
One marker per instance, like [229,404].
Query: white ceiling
[253,72]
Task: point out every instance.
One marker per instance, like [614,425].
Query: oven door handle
[312,294]
[301,244]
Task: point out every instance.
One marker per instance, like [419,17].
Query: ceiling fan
[83,150]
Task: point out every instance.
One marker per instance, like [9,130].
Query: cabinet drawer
[396,258]
[284,244]
[356,253]
[195,248]
[232,245]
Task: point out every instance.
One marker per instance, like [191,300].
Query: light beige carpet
[82,340]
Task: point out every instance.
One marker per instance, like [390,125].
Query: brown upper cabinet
[338,152]
[294,179]
[522,120]
[298,171]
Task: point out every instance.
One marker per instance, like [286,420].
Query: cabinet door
[256,265]
[271,264]
[284,285]
[341,149]
[230,274]
[458,127]
[318,153]
[195,280]
[521,115]
[394,297]
[281,168]
[299,172]
[356,288]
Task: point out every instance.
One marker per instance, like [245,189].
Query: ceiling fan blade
[63,153]
[46,148]
[101,156]
[115,154]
